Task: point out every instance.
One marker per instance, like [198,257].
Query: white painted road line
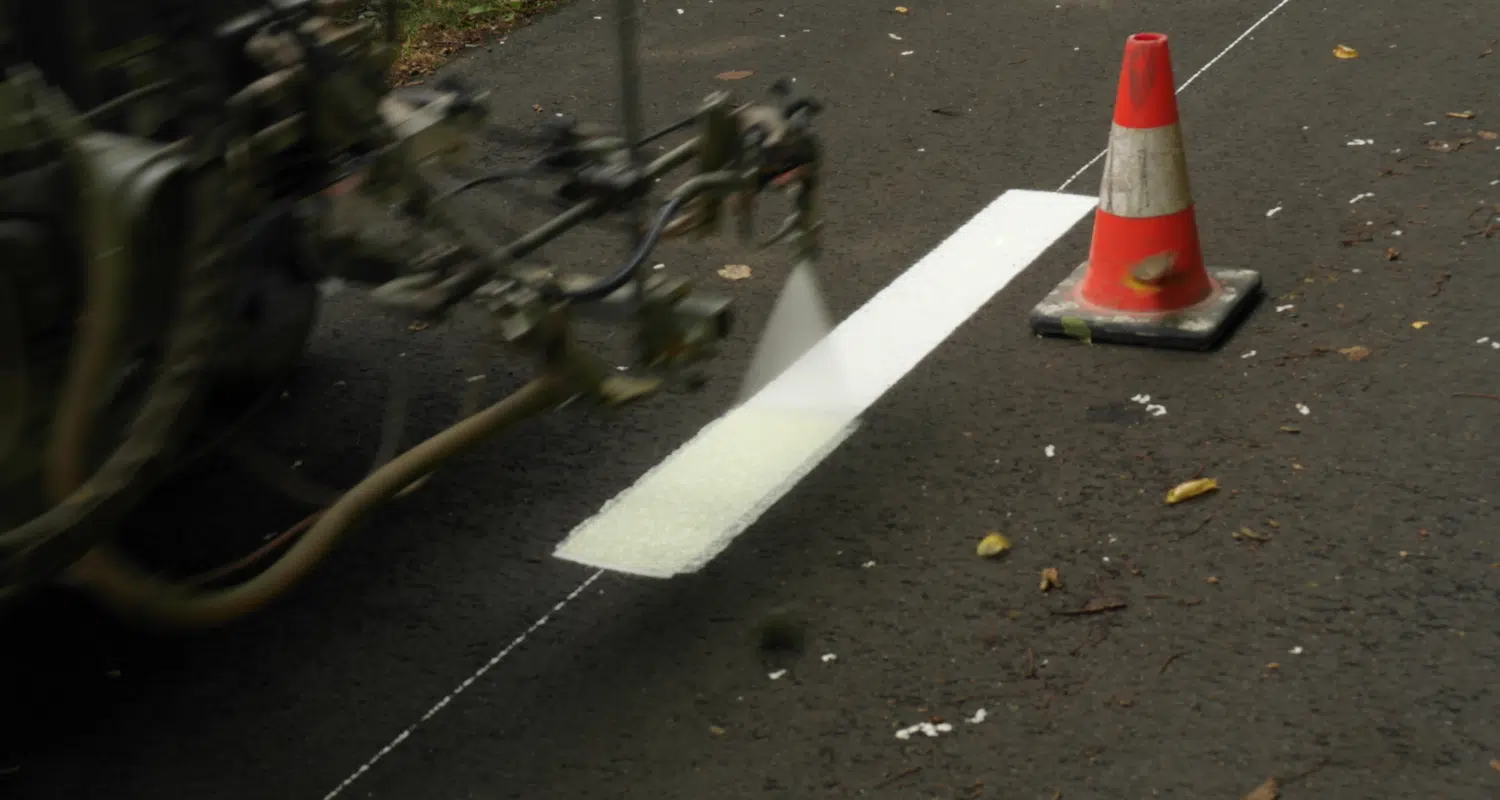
[686,510]
[503,654]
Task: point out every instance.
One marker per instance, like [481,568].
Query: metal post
[630,113]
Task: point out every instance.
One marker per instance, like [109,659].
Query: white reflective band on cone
[1145,173]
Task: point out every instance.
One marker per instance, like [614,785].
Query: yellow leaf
[1050,579]
[734,272]
[993,545]
[1345,51]
[1191,489]
[1356,353]
[734,75]
[902,9]
[1076,328]
[1461,114]
[1419,325]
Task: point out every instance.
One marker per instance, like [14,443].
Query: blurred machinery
[177,178]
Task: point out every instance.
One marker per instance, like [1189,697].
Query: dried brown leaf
[1050,579]
[734,272]
[1345,51]
[1270,790]
[1495,764]
[1355,353]
[735,75]
[1489,136]
[1391,254]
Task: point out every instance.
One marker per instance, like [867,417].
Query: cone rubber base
[1200,327]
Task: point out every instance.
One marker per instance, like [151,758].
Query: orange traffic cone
[1144,281]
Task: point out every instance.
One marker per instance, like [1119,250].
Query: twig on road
[1322,764]
[1092,607]
[890,779]
[1477,395]
[1169,661]
[1437,287]
[1199,529]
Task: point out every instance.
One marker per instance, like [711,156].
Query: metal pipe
[468,279]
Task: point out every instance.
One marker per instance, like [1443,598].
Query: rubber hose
[48,543]
[130,591]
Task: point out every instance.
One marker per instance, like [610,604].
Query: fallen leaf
[1356,353]
[1420,324]
[1489,136]
[1076,328]
[1440,146]
[417,326]
[1345,51]
[1290,429]
[1273,665]
[1050,579]
[1495,764]
[536,107]
[734,75]
[1391,254]
[1270,790]
[716,730]
[993,545]
[1461,114]
[734,272]
[902,9]
[1246,533]
[1211,580]
[1191,489]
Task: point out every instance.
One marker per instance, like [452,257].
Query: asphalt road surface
[1348,646]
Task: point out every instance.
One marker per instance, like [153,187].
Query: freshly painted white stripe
[684,512]
[405,734]
[1189,82]
[1145,173]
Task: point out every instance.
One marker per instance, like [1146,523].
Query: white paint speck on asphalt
[978,717]
[777,675]
[829,658]
[1273,212]
[1303,410]
[1050,450]
[926,729]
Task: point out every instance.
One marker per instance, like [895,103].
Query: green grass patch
[436,30]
